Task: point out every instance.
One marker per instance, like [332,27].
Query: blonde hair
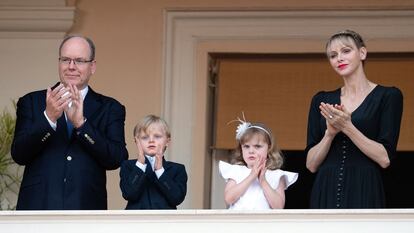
[346,36]
[148,120]
[274,155]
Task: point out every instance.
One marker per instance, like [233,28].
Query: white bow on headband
[245,125]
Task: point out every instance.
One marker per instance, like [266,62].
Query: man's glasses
[76,61]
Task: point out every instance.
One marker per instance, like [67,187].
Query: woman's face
[344,56]
[253,149]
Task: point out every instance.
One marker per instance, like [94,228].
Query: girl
[255,180]
[352,131]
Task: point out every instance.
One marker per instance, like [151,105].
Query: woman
[352,131]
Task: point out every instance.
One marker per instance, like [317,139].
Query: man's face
[75,66]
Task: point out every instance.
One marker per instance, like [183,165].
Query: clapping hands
[57,99]
[140,156]
[74,113]
[65,99]
[158,155]
[158,158]
[337,117]
[259,168]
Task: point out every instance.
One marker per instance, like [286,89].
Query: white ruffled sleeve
[273,177]
[235,172]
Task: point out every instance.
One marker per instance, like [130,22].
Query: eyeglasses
[76,61]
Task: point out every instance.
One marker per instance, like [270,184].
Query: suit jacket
[143,190]
[63,172]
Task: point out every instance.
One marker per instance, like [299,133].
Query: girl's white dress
[253,198]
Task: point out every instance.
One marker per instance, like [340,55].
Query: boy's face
[154,140]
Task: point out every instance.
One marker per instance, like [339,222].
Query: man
[68,136]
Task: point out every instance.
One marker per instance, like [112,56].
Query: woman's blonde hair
[345,36]
[274,155]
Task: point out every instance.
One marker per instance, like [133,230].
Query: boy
[151,182]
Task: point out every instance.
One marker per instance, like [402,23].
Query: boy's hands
[158,158]
[140,156]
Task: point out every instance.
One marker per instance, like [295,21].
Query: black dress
[347,178]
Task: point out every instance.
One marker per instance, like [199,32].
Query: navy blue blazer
[62,172]
[143,190]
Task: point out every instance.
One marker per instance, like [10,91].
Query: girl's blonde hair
[145,123]
[274,155]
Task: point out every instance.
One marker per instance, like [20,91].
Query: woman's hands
[338,118]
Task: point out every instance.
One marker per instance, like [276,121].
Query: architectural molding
[35,22]
[32,2]
[378,221]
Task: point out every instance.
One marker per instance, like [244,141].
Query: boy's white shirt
[151,159]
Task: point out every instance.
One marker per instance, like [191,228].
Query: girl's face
[344,57]
[154,140]
[253,149]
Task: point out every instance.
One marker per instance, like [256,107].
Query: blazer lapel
[165,164]
[91,103]
[61,128]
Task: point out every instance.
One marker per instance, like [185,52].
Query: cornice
[35,22]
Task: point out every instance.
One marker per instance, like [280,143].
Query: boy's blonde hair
[274,155]
[148,120]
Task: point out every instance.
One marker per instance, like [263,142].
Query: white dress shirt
[151,159]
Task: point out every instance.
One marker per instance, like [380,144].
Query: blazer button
[69,158]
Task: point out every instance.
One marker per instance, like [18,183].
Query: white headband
[244,125]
